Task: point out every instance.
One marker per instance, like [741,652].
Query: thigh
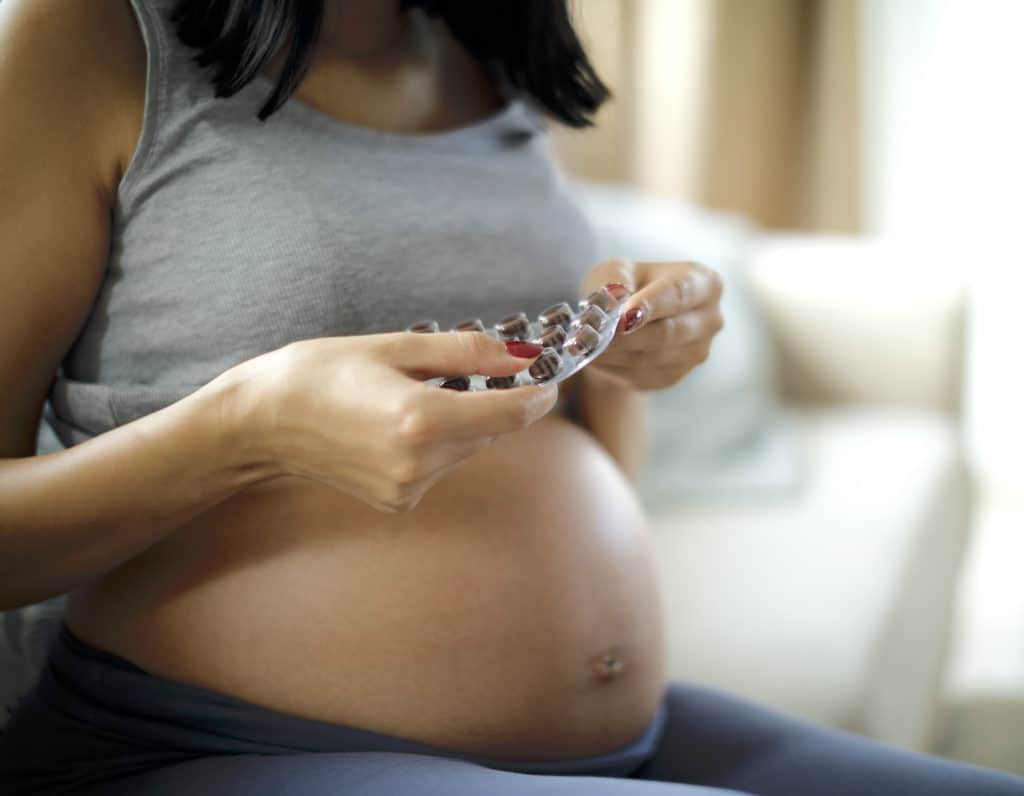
[372,774]
[722,741]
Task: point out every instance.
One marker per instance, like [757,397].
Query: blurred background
[838,494]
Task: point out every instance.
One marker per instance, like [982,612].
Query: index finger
[673,295]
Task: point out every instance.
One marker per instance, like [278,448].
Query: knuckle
[414,426]
[682,288]
[476,345]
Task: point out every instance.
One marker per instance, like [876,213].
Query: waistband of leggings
[121,699]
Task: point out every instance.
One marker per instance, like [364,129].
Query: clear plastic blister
[572,338]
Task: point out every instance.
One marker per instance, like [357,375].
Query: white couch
[834,601]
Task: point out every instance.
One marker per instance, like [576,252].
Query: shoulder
[76,73]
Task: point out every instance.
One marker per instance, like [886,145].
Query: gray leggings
[98,725]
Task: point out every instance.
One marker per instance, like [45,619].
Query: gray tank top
[232,237]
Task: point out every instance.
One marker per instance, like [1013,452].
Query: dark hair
[532,42]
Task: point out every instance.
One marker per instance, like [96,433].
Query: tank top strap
[175,85]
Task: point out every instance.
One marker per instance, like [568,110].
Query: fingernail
[617,289]
[519,348]
[633,319]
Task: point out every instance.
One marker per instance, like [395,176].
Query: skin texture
[459,571]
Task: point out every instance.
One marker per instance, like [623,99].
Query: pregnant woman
[294,566]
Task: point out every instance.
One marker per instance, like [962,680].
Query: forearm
[616,416]
[69,517]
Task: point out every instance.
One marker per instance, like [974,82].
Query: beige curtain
[743,105]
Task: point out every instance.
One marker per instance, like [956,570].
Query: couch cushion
[832,603]
[984,691]
[834,325]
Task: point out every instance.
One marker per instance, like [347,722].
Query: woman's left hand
[667,324]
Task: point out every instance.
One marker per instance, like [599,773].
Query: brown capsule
[424,327]
[460,383]
[556,315]
[583,342]
[500,382]
[513,327]
[552,337]
[545,366]
[470,325]
[601,299]
[592,316]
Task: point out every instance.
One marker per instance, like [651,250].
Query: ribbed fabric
[232,237]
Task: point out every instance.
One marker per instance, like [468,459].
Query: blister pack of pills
[571,337]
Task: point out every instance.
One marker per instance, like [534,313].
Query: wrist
[231,424]
[616,414]
[597,381]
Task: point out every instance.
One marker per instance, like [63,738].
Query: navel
[608,664]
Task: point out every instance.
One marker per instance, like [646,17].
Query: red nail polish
[519,348]
[617,289]
[633,319]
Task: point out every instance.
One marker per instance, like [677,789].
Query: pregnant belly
[514,613]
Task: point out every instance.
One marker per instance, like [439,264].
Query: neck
[364,28]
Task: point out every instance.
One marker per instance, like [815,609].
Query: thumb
[619,275]
[457,353]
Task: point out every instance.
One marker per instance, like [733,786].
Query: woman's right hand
[353,413]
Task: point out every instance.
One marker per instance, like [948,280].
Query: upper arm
[64,66]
